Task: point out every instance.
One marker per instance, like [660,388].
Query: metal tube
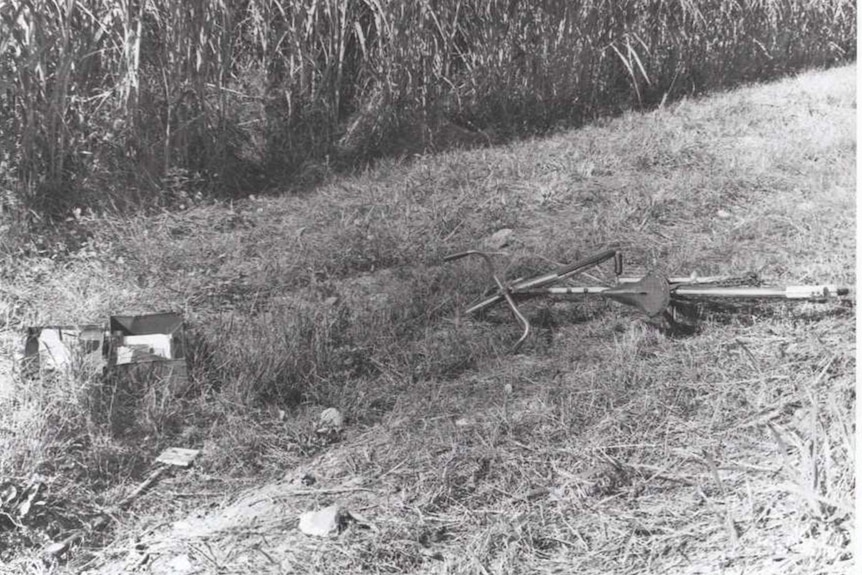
[811,293]
[518,287]
[589,290]
[502,288]
[740,292]
[563,272]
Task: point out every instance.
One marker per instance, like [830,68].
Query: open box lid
[144,338]
[166,323]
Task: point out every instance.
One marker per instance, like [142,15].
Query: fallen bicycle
[654,294]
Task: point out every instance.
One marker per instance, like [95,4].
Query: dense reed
[106,102]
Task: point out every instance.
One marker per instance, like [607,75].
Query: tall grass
[142,101]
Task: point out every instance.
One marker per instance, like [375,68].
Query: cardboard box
[58,348]
[149,339]
[141,345]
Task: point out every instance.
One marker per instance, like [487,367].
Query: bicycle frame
[652,294]
[524,286]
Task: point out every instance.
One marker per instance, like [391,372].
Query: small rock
[499,239]
[179,565]
[331,417]
[321,523]
[723,214]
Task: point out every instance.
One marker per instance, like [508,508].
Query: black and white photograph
[443,287]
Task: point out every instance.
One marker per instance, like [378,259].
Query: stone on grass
[499,239]
[322,523]
[331,418]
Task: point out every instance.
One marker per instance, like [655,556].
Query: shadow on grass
[748,312]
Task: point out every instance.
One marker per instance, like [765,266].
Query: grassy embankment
[731,449]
